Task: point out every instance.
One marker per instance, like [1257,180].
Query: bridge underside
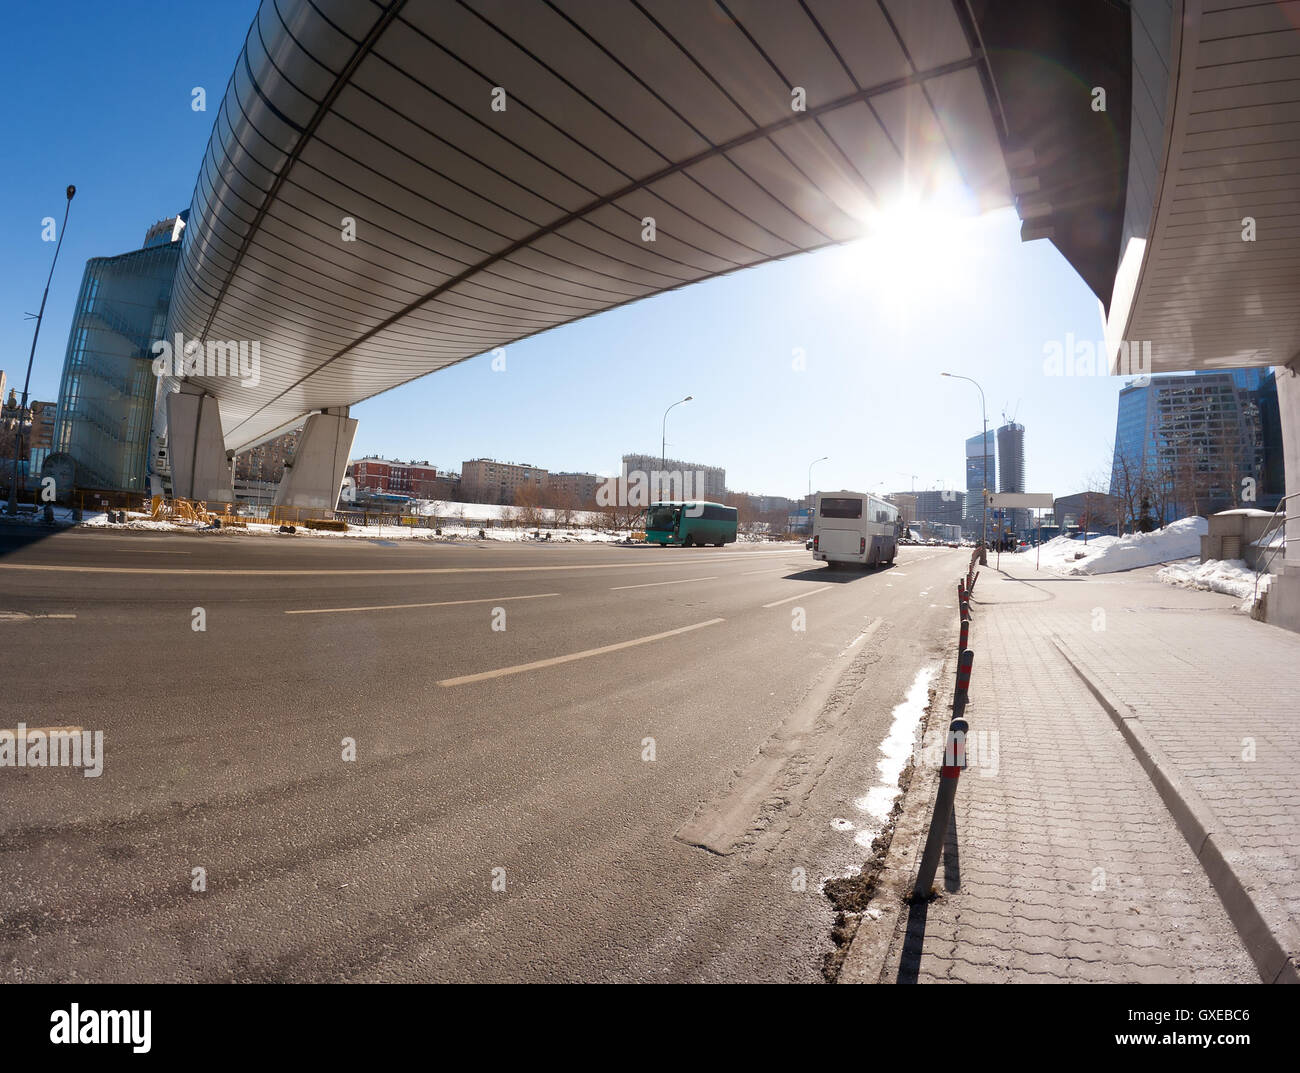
[392,189]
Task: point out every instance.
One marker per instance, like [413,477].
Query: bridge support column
[315,476]
[196,447]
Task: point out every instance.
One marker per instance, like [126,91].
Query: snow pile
[1107,554]
[1229,576]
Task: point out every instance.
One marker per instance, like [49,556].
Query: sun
[906,246]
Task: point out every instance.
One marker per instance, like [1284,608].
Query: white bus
[854,527]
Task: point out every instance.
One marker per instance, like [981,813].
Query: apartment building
[485,480]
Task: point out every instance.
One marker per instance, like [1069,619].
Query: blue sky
[100,96]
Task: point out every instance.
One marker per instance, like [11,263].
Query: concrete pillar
[315,475]
[196,447]
[1283,607]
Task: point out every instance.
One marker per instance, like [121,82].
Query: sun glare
[908,245]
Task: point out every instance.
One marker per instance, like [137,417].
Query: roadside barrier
[954,759]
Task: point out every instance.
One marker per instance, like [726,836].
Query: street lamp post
[984,450]
[21,416]
[663,446]
[824,458]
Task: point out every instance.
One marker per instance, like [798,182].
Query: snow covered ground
[1229,576]
[575,534]
[1106,554]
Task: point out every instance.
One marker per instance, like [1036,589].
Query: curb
[1265,928]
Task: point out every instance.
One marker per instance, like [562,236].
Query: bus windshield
[662,518]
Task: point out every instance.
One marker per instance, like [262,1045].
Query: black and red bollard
[954,759]
[964,663]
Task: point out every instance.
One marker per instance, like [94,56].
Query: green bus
[691,523]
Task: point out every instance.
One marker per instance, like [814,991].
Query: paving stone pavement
[1066,864]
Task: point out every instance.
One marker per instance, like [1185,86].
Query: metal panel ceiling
[476,228]
[1205,297]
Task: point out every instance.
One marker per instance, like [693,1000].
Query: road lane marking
[798,596]
[769,570]
[210,571]
[652,584]
[555,661]
[396,607]
[24,616]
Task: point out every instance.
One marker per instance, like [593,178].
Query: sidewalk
[1160,852]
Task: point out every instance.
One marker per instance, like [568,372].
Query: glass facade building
[1193,444]
[106,397]
[976,461]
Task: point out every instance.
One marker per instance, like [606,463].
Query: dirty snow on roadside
[895,750]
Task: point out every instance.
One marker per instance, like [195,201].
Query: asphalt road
[484,757]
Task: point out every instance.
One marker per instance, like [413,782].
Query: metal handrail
[1266,558]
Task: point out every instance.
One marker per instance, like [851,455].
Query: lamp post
[824,458]
[984,450]
[20,417]
[663,445]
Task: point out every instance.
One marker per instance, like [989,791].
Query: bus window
[842,508]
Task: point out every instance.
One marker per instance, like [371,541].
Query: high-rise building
[107,394]
[981,467]
[1196,443]
[696,481]
[1011,472]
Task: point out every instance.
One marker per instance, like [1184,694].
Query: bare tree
[565,508]
[528,510]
